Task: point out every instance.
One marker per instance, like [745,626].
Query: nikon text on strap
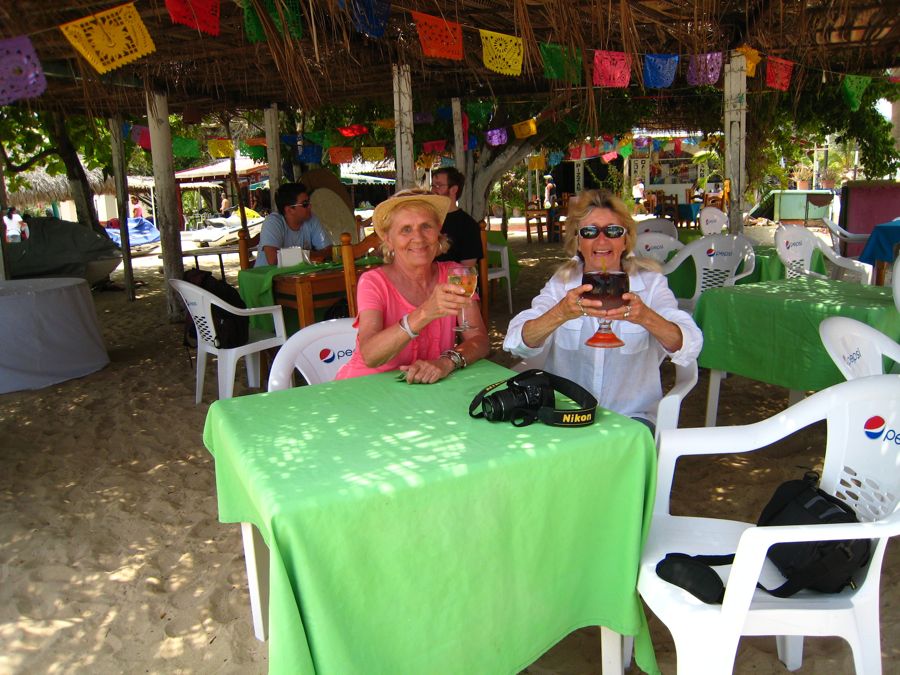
[583,416]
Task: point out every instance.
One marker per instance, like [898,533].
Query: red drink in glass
[607,287]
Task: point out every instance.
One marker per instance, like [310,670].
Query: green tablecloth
[407,537]
[770,331]
[768,267]
[255,286]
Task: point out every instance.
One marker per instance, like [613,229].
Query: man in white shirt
[294,225]
[637,192]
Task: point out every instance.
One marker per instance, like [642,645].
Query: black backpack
[230,329]
[823,566]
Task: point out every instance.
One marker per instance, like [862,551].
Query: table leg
[303,292]
[256,558]
[712,398]
[222,266]
[610,652]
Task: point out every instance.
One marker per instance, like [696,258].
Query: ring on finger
[627,312]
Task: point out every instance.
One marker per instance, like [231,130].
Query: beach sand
[112,558]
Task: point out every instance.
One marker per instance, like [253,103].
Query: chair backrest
[712,220]
[317,351]
[668,206]
[661,225]
[245,244]
[857,349]
[656,245]
[717,258]
[199,303]
[795,246]
[349,254]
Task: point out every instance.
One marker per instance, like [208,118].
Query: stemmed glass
[467,277]
[608,287]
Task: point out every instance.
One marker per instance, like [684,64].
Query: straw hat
[416,197]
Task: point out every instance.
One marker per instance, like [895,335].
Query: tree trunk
[78,181]
[491,164]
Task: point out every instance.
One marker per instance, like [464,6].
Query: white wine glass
[467,277]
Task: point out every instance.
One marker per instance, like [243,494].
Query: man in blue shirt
[293,225]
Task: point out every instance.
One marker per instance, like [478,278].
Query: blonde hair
[423,205]
[579,207]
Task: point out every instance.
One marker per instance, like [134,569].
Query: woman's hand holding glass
[465,277]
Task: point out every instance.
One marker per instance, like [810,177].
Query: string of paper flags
[117,36]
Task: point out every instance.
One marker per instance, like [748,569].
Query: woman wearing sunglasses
[600,237]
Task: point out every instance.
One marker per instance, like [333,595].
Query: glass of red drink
[607,287]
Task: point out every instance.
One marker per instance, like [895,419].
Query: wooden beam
[120,172]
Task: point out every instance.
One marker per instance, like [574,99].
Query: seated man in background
[460,228]
[292,225]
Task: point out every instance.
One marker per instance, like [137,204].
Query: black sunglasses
[610,231]
[305,204]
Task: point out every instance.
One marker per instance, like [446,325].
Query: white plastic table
[48,333]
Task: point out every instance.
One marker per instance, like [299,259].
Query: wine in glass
[467,277]
[608,287]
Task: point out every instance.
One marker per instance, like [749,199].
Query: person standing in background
[637,193]
[12,223]
[225,205]
[461,229]
[137,211]
[549,192]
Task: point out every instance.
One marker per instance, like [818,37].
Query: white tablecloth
[48,333]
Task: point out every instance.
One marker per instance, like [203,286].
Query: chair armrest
[749,266]
[669,408]
[861,268]
[274,310]
[680,256]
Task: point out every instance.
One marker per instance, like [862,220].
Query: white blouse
[626,379]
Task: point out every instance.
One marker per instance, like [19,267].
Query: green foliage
[783,131]
[26,133]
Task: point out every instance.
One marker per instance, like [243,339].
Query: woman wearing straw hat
[407,308]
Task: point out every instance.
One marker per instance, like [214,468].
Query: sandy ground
[112,558]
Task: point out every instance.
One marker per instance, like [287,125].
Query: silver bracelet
[459,361]
[404,324]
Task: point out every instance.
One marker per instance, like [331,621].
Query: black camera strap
[583,416]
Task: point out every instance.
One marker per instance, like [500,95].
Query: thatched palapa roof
[334,63]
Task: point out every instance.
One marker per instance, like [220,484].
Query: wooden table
[879,248]
[197,253]
[402,536]
[302,287]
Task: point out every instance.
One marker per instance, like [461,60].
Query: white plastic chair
[857,349]
[501,272]
[860,467]
[841,236]
[795,246]
[656,245]
[712,220]
[199,303]
[317,351]
[661,225]
[716,259]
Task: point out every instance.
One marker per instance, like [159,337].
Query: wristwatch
[459,361]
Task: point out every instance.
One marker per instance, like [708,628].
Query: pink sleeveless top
[375,291]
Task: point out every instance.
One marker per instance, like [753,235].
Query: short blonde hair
[579,207]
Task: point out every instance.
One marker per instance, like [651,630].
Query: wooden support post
[403,127]
[120,171]
[736,138]
[273,150]
[166,210]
